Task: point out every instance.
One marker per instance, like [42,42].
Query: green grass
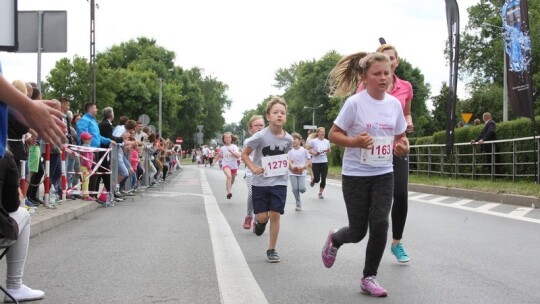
[484,185]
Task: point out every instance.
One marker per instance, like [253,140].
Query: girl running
[371,126]
[255,124]
[229,154]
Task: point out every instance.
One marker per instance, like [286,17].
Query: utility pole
[160,98]
[92,64]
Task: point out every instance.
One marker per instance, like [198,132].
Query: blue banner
[517,45]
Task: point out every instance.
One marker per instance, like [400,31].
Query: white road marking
[488,206]
[481,209]
[236,282]
[522,211]
[462,202]
[421,196]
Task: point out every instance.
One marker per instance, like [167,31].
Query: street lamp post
[294,121]
[505,85]
[160,98]
[313,113]
[160,102]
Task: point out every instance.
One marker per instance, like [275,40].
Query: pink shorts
[233,171]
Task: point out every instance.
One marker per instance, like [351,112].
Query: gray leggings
[16,256]
[368,200]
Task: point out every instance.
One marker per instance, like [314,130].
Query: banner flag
[452,19]
[517,46]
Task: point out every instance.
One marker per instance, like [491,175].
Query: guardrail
[515,159]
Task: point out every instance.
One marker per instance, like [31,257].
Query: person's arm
[408,116]
[235,153]
[340,138]
[401,145]
[249,163]
[41,116]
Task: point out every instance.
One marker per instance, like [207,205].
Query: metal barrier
[515,159]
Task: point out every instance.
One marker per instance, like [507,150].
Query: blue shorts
[270,198]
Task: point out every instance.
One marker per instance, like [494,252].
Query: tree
[128,79]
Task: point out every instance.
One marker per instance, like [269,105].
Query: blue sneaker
[400,253]
[29,204]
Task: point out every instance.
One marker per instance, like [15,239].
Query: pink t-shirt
[134,159]
[402,90]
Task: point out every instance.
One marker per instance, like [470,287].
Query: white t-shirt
[229,160]
[298,158]
[382,119]
[319,145]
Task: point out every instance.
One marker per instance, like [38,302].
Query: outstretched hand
[45,117]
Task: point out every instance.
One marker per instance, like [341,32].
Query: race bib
[381,153]
[275,165]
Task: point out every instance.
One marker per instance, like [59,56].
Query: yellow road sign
[466,116]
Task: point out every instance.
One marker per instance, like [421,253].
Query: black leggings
[368,200]
[401,196]
[320,171]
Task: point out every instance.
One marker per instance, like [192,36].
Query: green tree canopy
[128,79]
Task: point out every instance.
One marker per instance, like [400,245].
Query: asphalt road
[185,244]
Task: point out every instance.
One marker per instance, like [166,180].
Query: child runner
[269,167]
[299,160]
[320,146]
[403,91]
[87,159]
[371,126]
[229,154]
[255,124]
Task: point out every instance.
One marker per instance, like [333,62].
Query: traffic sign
[466,116]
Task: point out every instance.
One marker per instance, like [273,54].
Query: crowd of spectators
[138,150]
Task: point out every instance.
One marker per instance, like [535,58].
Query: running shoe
[329,252]
[272,256]
[89,199]
[29,204]
[321,196]
[400,253]
[370,286]
[247,222]
[298,208]
[258,228]
[229,195]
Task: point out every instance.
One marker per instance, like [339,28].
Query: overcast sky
[243,43]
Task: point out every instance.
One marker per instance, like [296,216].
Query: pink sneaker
[247,222]
[370,286]
[88,199]
[329,252]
